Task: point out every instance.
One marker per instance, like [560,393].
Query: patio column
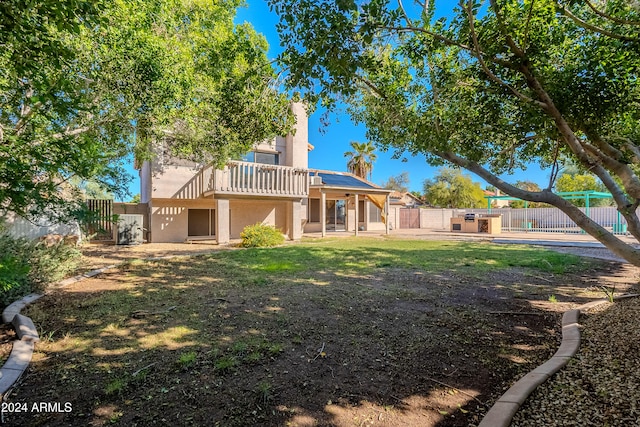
[295,232]
[388,219]
[223,221]
[323,212]
[357,217]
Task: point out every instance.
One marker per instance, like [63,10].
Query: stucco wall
[313,227]
[249,212]
[394,217]
[177,182]
[169,220]
[297,149]
[145,182]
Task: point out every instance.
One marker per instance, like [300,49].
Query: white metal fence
[20,227]
[548,220]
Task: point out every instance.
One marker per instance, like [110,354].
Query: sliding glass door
[336,215]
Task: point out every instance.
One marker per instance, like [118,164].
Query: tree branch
[410,29]
[449,42]
[74,132]
[566,12]
[483,64]
[555,168]
[404,13]
[526,25]
[610,17]
[510,42]
[608,155]
[633,148]
[26,111]
[612,242]
[425,7]
[578,148]
[368,83]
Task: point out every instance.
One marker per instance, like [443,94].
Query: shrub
[29,266]
[261,236]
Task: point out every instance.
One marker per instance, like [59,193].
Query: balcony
[256,179]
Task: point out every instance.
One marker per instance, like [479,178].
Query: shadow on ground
[326,334]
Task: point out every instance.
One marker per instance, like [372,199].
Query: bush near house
[261,236]
[28,266]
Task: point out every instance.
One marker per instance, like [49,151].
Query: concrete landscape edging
[505,408]
[22,351]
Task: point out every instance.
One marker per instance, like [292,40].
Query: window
[314,210]
[201,222]
[374,213]
[267,158]
[264,158]
[249,157]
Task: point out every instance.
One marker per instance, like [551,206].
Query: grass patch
[358,255]
[226,363]
[186,360]
[115,386]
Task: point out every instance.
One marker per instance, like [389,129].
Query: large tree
[85,83]
[487,86]
[450,188]
[41,91]
[398,182]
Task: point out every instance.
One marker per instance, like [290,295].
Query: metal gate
[100,221]
[409,218]
[129,229]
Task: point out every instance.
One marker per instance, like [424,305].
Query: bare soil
[398,347]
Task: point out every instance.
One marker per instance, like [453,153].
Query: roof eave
[352,189]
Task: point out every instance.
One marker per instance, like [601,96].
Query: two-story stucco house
[271,185]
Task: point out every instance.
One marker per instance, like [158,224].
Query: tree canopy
[85,83]
[568,182]
[487,86]
[581,182]
[453,189]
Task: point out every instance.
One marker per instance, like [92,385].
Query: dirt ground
[98,255]
[394,348]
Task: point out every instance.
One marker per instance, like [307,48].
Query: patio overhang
[348,185]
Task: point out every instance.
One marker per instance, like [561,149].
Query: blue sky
[332,141]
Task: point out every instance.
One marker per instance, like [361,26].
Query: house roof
[398,196]
[340,180]
[345,180]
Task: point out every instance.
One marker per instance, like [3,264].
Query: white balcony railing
[257,179]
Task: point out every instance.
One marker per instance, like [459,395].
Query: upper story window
[260,157]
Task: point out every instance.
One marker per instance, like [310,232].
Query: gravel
[601,385]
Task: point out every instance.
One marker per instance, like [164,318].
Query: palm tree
[361,159]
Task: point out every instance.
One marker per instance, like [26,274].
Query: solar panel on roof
[343,181]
